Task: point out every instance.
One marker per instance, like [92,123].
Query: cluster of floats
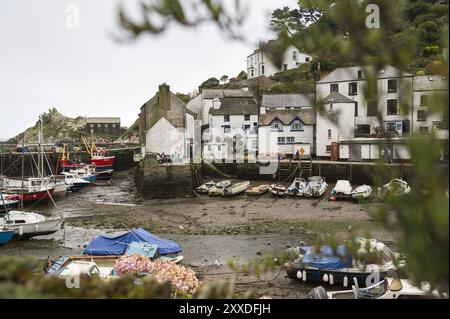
[364,268]
[17,197]
[314,186]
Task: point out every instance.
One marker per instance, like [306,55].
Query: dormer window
[276,126]
[297,126]
[359,74]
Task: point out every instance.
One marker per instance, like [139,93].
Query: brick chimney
[164,96]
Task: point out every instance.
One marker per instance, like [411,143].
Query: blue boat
[6,236]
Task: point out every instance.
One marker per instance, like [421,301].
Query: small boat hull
[42,228]
[236,189]
[257,191]
[328,277]
[6,236]
[278,190]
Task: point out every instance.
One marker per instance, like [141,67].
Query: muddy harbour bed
[210,230]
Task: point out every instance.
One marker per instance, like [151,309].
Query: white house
[286,125]
[202,103]
[167,126]
[362,133]
[427,90]
[232,128]
[259,64]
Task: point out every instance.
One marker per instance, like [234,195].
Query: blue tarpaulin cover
[104,245]
[327,258]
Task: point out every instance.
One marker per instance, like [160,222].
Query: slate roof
[307,116]
[103,120]
[429,83]
[217,93]
[351,74]
[337,97]
[288,100]
[236,106]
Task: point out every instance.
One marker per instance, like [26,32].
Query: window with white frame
[290,140]
[328,149]
[294,55]
[246,117]
[297,126]
[329,134]
[281,140]
[276,126]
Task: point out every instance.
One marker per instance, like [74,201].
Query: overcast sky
[83,71]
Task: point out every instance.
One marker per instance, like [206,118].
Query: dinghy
[362,192]
[27,225]
[316,186]
[74,182]
[395,188]
[338,266]
[218,189]
[236,188]
[205,188]
[342,190]
[388,288]
[297,187]
[258,190]
[6,235]
[278,190]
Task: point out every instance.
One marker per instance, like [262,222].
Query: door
[354,153]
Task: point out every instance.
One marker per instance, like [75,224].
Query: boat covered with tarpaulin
[105,245]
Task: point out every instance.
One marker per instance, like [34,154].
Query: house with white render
[233,129]
[286,125]
[366,123]
[258,64]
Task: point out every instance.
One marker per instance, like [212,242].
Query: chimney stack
[164,96]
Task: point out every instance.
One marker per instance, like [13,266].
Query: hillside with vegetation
[58,128]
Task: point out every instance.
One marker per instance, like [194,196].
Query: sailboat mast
[41,150]
[23,168]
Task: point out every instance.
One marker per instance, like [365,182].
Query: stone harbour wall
[164,181]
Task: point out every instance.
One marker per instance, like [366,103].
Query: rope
[11,165]
[291,175]
[217,170]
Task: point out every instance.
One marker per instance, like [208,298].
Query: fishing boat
[205,188]
[395,188]
[74,182]
[85,174]
[338,266]
[28,224]
[316,187]
[362,192]
[30,197]
[297,187]
[6,203]
[236,188]
[278,190]
[391,287]
[6,235]
[218,189]
[342,190]
[258,190]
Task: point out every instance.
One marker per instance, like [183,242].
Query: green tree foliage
[184,97]
[211,83]
[242,75]
[290,21]
[224,78]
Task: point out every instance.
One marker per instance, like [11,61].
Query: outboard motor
[318,293]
